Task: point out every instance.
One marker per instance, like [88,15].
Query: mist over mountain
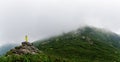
[87,44]
[44,18]
[63,30]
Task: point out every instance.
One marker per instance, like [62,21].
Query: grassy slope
[32,58]
[98,46]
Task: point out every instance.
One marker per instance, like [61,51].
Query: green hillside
[87,44]
[28,53]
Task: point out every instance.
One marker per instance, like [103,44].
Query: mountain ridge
[89,43]
[86,44]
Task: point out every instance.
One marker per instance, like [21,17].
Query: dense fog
[43,18]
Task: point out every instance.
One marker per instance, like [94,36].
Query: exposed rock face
[25,48]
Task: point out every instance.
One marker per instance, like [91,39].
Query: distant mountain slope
[6,47]
[87,44]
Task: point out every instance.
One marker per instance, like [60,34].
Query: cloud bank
[42,18]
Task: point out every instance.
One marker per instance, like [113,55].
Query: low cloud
[43,18]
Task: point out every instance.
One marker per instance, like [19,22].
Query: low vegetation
[32,58]
[84,45]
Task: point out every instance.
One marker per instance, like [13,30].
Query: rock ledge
[25,48]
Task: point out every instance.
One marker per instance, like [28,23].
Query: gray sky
[43,18]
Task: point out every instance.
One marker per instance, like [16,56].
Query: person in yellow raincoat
[26,38]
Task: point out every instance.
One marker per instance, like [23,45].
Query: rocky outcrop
[25,48]
[88,39]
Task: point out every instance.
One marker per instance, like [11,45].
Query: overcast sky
[43,18]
